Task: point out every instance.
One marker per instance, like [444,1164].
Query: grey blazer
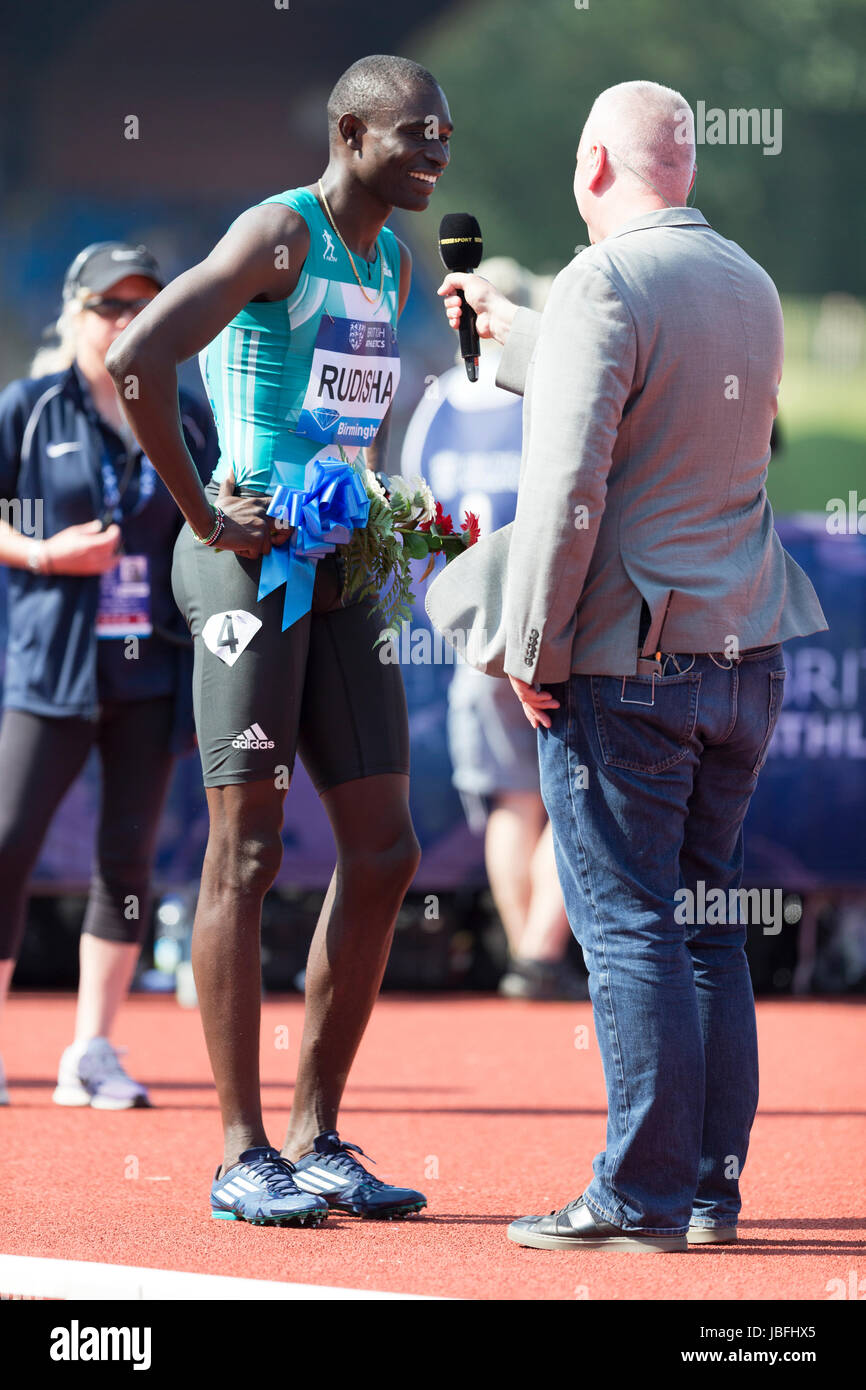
[650,384]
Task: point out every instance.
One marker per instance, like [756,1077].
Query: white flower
[373,486]
[420,496]
[399,487]
[429,501]
[414,495]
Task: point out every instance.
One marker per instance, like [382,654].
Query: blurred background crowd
[160,126]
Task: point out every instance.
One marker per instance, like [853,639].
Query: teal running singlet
[310,376]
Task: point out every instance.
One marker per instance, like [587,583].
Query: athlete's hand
[494,312]
[534,702]
[84,549]
[248,530]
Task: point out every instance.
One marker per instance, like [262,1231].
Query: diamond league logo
[324,417]
[357,330]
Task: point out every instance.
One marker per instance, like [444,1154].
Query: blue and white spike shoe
[260,1189]
[332,1172]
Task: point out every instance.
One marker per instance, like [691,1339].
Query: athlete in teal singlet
[258,370]
[293,316]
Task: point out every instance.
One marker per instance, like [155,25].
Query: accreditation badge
[124,599]
[353,378]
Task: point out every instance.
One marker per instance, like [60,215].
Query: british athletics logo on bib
[354,374]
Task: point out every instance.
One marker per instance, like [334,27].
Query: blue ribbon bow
[324,513]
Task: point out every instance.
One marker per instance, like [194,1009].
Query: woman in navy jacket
[97,653]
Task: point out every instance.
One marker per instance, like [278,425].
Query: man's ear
[352,128]
[598,163]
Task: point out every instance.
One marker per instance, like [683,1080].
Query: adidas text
[253,737]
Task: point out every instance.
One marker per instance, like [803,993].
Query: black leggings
[40,758]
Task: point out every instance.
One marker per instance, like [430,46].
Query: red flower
[473,526]
[442,521]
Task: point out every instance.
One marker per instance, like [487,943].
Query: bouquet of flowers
[405,522]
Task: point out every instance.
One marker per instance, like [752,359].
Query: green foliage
[415,545]
[377,566]
[520,79]
[378,555]
[822,411]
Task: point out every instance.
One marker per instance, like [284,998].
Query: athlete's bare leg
[513,827]
[243,856]
[377,855]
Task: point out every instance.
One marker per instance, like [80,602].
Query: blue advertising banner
[806,822]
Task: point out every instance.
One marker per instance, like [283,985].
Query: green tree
[521,77]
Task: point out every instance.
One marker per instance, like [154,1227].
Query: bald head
[375,85]
[652,129]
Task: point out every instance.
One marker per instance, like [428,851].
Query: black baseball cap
[102,264]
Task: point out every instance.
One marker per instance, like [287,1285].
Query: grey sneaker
[4,1094]
[542,980]
[93,1076]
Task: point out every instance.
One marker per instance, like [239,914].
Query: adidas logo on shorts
[253,737]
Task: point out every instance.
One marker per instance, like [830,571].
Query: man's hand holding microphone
[493,312]
[474,308]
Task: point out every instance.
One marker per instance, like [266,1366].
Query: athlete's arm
[376,454]
[260,257]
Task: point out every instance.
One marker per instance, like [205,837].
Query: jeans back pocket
[644,723]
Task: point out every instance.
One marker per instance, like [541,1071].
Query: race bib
[353,378]
[124,599]
[228,634]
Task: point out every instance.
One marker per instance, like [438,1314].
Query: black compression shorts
[261,694]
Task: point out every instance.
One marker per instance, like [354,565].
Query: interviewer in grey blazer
[645,598]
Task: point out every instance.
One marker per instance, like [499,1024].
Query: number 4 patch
[229,634]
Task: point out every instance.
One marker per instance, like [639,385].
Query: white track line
[83,1279]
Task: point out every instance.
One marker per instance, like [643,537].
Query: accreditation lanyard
[124,606]
[114,488]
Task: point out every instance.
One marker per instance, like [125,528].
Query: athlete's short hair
[371,84]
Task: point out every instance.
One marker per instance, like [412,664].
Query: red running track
[485,1104]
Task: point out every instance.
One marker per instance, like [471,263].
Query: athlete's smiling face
[405,151]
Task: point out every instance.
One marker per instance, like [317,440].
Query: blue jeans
[647,782]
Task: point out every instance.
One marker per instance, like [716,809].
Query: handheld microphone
[461,248]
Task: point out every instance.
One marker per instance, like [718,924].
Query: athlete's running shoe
[260,1188]
[92,1075]
[334,1173]
[4,1094]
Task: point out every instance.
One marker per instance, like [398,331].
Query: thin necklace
[370,299]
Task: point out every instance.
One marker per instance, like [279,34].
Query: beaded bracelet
[217,530]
